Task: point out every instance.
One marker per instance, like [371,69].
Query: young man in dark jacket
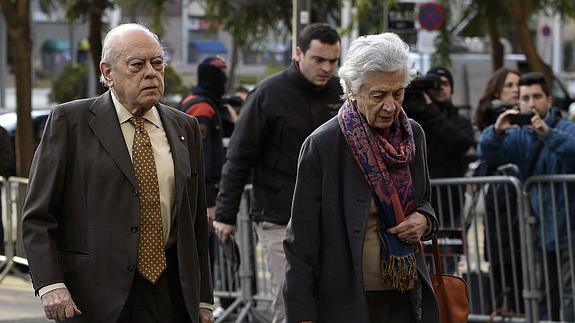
[276,118]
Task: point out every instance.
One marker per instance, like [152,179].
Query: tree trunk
[95,37]
[518,15]
[490,15]
[18,25]
[232,66]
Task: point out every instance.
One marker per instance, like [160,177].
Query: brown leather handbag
[450,291]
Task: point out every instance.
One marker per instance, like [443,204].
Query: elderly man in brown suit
[114,223]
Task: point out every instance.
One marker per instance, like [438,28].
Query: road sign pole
[3,61]
[300,18]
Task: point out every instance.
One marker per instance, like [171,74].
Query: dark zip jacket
[276,119]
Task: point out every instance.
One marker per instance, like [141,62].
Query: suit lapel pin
[182,138]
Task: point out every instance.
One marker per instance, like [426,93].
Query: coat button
[134,228]
[131,268]
[136,192]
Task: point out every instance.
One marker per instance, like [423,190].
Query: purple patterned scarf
[384,161]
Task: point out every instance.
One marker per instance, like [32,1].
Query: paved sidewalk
[17,302]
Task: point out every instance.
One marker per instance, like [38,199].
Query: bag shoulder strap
[437,260]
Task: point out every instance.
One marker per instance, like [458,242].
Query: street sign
[431,16]
[401,16]
[546,31]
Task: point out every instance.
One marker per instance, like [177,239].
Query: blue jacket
[517,145]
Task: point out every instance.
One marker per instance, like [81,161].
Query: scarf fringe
[399,272]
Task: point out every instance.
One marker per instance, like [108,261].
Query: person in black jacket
[275,120]
[204,103]
[449,136]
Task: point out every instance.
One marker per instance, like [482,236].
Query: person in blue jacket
[544,146]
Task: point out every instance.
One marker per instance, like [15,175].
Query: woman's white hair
[110,44]
[371,54]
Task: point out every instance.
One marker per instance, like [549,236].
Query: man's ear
[105,69]
[298,54]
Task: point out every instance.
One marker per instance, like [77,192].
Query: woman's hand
[411,229]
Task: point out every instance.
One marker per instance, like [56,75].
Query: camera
[498,106]
[413,100]
[234,101]
[521,118]
[429,82]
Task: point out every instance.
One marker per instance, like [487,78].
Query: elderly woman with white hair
[362,202]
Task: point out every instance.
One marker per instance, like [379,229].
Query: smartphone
[521,118]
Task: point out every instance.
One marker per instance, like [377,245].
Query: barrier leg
[245,300]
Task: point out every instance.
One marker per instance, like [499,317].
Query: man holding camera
[540,142]
[449,136]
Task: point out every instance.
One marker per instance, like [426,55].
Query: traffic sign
[401,16]
[546,31]
[431,16]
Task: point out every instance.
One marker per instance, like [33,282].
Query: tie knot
[138,123]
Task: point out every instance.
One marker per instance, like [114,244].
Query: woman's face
[380,97]
[510,91]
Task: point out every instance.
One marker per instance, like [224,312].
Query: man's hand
[411,229]
[58,305]
[427,99]
[223,231]
[232,113]
[211,216]
[502,123]
[206,316]
[539,126]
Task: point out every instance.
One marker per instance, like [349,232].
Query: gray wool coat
[324,238]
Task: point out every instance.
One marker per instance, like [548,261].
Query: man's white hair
[110,44]
[370,54]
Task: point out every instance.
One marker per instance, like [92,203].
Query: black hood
[211,78]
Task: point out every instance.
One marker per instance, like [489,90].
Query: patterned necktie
[151,257]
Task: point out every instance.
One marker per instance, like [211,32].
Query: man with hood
[204,103]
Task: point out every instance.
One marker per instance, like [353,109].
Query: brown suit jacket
[81,216]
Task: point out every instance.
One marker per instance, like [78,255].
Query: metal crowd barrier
[508,272]
[250,285]
[482,220]
[512,275]
[13,195]
[551,283]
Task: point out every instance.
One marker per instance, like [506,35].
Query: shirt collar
[124,115]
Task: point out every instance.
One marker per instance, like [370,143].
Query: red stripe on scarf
[397,208]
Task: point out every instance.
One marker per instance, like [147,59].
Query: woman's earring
[351,98]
